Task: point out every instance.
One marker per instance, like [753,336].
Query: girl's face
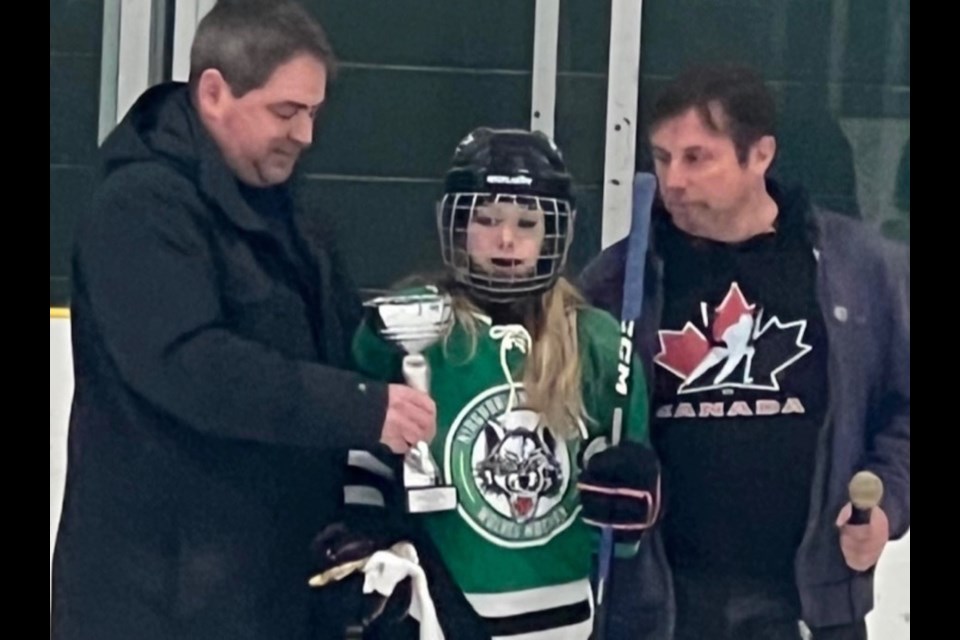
[504,239]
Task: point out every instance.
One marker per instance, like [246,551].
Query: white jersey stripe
[512,603]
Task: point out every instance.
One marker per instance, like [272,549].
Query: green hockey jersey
[514,544]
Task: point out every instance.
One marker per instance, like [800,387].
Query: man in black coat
[211,326]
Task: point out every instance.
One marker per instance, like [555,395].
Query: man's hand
[411,417]
[862,544]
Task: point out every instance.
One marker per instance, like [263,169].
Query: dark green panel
[74,104]
[875,101]
[579,126]
[587,230]
[876,45]
[584,36]
[485,34]
[59,292]
[386,230]
[75,40]
[407,123]
[787,40]
[71,190]
[76,26]
[780,37]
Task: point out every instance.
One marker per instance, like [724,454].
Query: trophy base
[431,499]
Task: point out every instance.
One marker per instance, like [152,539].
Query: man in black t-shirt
[776,338]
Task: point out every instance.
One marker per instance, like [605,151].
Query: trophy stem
[416,372]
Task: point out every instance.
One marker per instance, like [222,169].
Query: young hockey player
[525,382]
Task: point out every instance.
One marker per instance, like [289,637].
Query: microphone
[866,491]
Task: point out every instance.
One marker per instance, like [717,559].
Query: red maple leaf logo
[728,313]
[742,350]
[682,351]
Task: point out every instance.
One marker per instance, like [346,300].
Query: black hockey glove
[620,488]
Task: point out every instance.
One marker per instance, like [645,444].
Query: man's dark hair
[747,109]
[246,40]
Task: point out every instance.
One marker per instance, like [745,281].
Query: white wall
[889,621]
[61,389]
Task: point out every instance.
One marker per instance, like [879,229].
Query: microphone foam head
[866,490]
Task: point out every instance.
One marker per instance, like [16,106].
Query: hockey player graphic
[737,338]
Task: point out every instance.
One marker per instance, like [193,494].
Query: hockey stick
[644,189]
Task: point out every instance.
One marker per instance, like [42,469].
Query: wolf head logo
[521,462]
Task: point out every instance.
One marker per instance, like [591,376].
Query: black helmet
[506,166]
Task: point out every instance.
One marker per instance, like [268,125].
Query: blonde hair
[552,373]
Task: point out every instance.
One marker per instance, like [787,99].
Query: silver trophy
[414,322]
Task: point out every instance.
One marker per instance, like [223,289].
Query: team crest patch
[512,474]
